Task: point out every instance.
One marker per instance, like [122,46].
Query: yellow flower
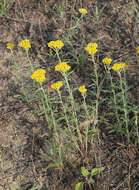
[91,48]
[82,89]
[63,66]
[25,44]
[137,49]
[56,44]
[51,44]
[118,66]
[10,45]
[57,85]
[92,45]
[38,75]
[83,11]
[107,60]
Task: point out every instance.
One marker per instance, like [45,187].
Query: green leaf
[52,165]
[96,171]
[84,171]
[91,181]
[79,186]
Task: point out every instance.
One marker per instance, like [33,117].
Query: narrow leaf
[91,181]
[96,171]
[79,186]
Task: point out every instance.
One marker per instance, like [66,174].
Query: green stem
[31,65]
[68,123]
[56,50]
[43,102]
[97,86]
[55,126]
[86,127]
[66,117]
[48,106]
[73,107]
[114,94]
[16,68]
[125,106]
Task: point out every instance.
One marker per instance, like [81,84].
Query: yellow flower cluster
[38,75]
[107,60]
[57,85]
[91,48]
[82,89]
[56,44]
[10,46]
[118,66]
[25,44]
[63,66]
[83,11]
[137,49]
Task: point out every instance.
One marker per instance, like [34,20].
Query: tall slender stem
[73,107]
[68,123]
[125,106]
[97,86]
[86,127]
[31,65]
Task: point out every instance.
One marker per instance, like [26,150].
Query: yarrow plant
[82,89]
[64,116]
[107,61]
[39,77]
[26,45]
[63,67]
[119,67]
[56,46]
[92,49]
[16,66]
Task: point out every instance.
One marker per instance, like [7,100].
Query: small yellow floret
[83,11]
[57,85]
[137,49]
[107,60]
[118,66]
[56,44]
[25,44]
[82,89]
[10,45]
[92,45]
[38,75]
[91,48]
[51,44]
[63,66]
